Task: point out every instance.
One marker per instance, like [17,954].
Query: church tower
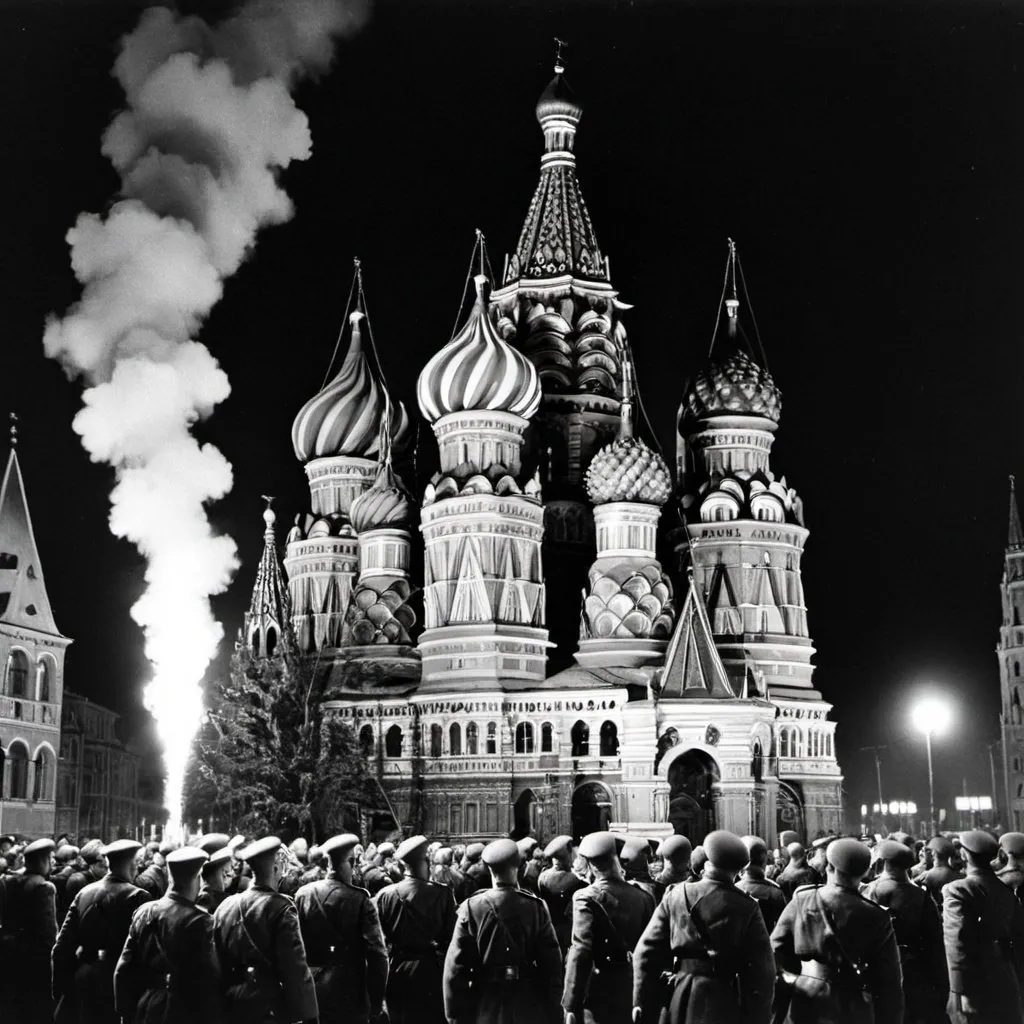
[267,623]
[1011,657]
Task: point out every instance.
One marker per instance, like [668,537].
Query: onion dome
[344,418]
[476,370]
[384,504]
[627,470]
[558,100]
[733,386]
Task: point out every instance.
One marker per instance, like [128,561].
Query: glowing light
[931,716]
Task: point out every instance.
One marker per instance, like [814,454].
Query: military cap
[941,845]
[235,842]
[501,853]
[213,841]
[299,847]
[92,851]
[260,848]
[980,843]
[698,858]
[415,846]
[634,847]
[168,846]
[118,848]
[385,849]
[753,843]
[676,849]
[796,849]
[822,842]
[473,852]
[217,859]
[598,844]
[559,844]
[339,844]
[1012,843]
[849,856]
[725,850]
[897,854]
[526,845]
[787,837]
[188,856]
[66,852]
[39,846]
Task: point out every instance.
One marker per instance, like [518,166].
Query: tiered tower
[267,624]
[1011,657]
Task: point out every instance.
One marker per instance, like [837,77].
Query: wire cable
[753,319]
[341,330]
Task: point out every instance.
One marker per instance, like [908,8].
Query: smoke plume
[208,126]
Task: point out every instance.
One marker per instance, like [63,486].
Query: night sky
[869,161]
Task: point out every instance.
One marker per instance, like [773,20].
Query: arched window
[472,739]
[784,742]
[17,674]
[813,743]
[42,788]
[271,641]
[828,744]
[547,738]
[580,736]
[1016,668]
[609,739]
[436,737]
[17,760]
[524,738]
[492,737]
[43,680]
[366,740]
[455,740]
[393,741]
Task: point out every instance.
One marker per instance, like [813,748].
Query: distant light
[930,716]
[911,807]
[975,803]
[963,803]
[986,803]
[885,808]
[874,808]
[864,810]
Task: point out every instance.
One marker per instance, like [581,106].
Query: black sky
[868,159]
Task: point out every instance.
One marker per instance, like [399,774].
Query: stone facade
[1010,652]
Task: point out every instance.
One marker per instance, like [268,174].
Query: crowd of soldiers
[619,930]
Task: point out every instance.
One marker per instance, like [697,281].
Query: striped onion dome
[344,418]
[385,503]
[477,370]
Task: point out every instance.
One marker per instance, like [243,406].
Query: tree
[268,760]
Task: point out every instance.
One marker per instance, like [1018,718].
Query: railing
[15,709]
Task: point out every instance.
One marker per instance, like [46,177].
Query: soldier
[242,878]
[675,853]
[709,941]
[817,861]
[476,869]
[1012,876]
[28,927]
[168,971]
[983,927]
[769,895]
[93,869]
[154,877]
[698,858]
[841,946]
[636,859]
[936,877]
[343,940]
[418,919]
[216,873]
[375,877]
[797,871]
[66,857]
[556,885]
[91,939]
[256,933]
[318,866]
[918,931]
[608,917]
[503,963]
[529,870]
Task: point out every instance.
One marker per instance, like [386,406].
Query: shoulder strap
[618,946]
[252,942]
[492,911]
[830,931]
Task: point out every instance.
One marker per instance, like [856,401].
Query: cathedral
[593,641]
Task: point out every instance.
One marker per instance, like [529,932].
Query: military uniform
[344,946]
[843,949]
[210,898]
[556,887]
[1012,876]
[983,928]
[168,971]
[90,941]
[375,878]
[708,940]
[769,895]
[28,927]
[794,876]
[476,872]
[153,879]
[503,965]
[417,918]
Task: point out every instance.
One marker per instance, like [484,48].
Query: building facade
[1010,652]
[596,644]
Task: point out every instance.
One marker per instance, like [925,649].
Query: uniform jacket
[769,895]
[417,919]
[60,879]
[692,920]
[503,965]
[375,878]
[210,899]
[479,873]
[344,948]
[28,914]
[153,879]
[259,929]
[863,928]
[983,928]
[168,971]
[556,887]
[97,925]
[793,877]
[531,872]
[76,882]
[644,881]
[935,879]
[1013,879]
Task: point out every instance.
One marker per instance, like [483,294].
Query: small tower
[266,629]
[1011,665]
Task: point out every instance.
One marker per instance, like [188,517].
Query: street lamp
[930,716]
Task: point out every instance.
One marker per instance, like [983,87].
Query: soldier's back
[935,879]
[153,879]
[795,877]
[556,886]
[28,927]
[769,895]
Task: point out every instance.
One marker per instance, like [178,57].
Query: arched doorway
[524,814]
[691,809]
[591,809]
[789,811]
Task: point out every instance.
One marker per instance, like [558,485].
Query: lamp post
[930,716]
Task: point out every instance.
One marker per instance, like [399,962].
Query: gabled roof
[693,667]
[23,597]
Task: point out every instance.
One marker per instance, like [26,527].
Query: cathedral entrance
[524,814]
[691,809]
[790,812]
[591,809]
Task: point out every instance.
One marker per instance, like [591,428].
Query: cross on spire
[560,47]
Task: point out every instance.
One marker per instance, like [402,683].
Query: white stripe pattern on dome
[478,370]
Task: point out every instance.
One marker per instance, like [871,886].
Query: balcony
[15,709]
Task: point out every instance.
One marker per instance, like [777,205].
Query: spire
[732,304]
[268,617]
[626,408]
[1016,535]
